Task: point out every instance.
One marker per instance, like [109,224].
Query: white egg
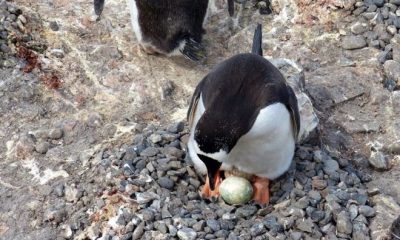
[236,190]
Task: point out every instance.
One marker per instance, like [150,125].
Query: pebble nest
[154,192]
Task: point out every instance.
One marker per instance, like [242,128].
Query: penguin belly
[267,149]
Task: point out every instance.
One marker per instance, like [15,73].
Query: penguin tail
[98,6]
[193,50]
[231,7]
[257,41]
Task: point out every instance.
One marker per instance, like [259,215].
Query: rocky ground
[93,135]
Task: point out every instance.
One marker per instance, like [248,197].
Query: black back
[164,22]
[233,95]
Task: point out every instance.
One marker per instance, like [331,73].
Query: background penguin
[243,117]
[169,26]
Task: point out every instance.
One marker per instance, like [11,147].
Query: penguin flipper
[193,50]
[294,112]
[98,6]
[194,102]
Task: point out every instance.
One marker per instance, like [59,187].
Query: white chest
[266,150]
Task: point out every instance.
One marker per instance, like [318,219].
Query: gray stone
[166,182]
[383,35]
[58,53]
[271,223]
[378,160]
[55,133]
[199,226]
[343,223]
[145,197]
[172,230]
[42,147]
[353,211]
[176,127]
[367,211]
[295,235]
[395,2]
[314,195]
[187,234]
[379,3]
[257,229]
[172,152]
[330,166]
[392,29]
[213,225]
[155,138]
[317,216]
[246,211]
[59,190]
[360,231]
[302,202]
[392,70]
[138,232]
[377,19]
[149,152]
[305,225]
[369,15]
[359,28]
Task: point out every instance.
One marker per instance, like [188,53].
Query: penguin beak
[212,166]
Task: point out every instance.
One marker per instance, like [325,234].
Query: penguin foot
[193,50]
[207,192]
[150,50]
[261,190]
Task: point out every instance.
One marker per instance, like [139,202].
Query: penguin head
[214,139]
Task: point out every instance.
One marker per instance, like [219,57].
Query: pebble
[359,28]
[176,127]
[166,182]
[257,229]
[187,234]
[246,211]
[367,211]
[54,26]
[353,42]
[377,159]
[330,166]
[343,223]
[149,152]
[155,138]
[42,147]
[55,133]
[138,232]
[305,225]
[271,223]
[353,211]
[59,190]
[295,235]
[360,231]
[214,225]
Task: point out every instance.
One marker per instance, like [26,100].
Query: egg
[236,190]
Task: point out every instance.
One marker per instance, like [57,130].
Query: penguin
[243,117]
[169,27]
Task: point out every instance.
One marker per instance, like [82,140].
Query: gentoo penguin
[243,117]
[169,27]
